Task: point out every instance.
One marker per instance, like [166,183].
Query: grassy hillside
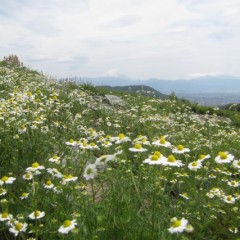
[151,169]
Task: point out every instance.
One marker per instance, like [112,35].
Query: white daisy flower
[229,199]
[28,176]
[5,216]
[180,149]
[7,180]
[121,138]
[171,161]
[24,195]
[162,142]
[233,183]
[71,142]
[48,185]
[3,191]
[90,172]
[36,215]
[178,226]
[17,227]
[54,159]
[203,157]
[155,159]
[35,168]
[54,172]
[67,226]
[194,166]
[236,164]
[224,157]
[137,148]
[69,178]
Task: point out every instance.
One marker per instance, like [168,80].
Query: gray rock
[114,100]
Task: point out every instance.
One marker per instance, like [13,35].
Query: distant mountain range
[139,89]
[206,84]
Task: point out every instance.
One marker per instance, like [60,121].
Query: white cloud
[165,39]
[198,75]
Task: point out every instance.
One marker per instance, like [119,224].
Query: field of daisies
[150,169]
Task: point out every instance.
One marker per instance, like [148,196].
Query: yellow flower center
[67,223]
[18,226]
[157,153]
[92,144]
[201,156]
[233,183]
[35,165]
[194,164]
[4,178]
[229,198]
[55,157]
[121,136]
[71,141]
[238,163]
[162,140]
[24,194]
[89,171]
[5,215]
[67,176]
[27,175]
[1,190]
[48,183]
[36,213]
[180,147]
[171,158]
[138,146]
[223,155]
[154,157]
[176,223]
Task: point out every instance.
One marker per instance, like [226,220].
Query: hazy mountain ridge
[140,89]
[207,84]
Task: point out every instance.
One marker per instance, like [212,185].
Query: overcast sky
[165,39]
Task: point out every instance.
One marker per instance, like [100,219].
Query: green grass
[49,124]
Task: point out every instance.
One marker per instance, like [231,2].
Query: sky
[165,39]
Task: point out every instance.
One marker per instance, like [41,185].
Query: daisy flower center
[5,178]
[154,157]
[229,198]
[18,226]
[162,140]
[55,157]
[201,156]
[238,163]
[36,213]
[233,183]
[35,165]
[27,175]
[194,164]
[68,176]
[121,136]
[180,147]
[4,215]
[138,146]
[71,141]
[171,158]
[222,155]
[1,190]
[48,183]
[157,153]
[67,223]
[89,171]
[176,223]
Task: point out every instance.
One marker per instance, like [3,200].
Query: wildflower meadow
[149,169]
